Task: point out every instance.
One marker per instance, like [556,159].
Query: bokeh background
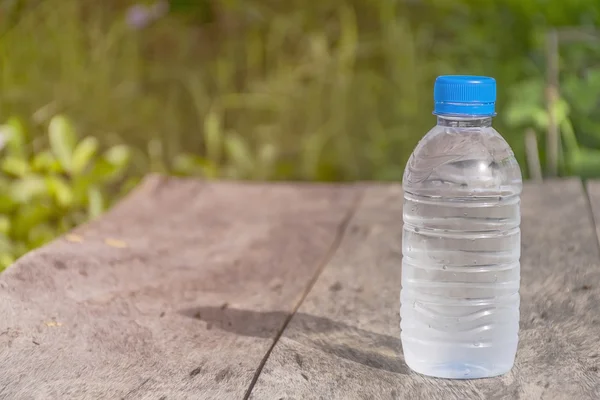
[96,94]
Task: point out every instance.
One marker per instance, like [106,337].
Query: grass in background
[259,89]
[258,93]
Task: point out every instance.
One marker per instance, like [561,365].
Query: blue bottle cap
[465,95]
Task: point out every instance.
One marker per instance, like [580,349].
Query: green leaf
[44,161]
[27,188]
[7,203]
[15,166]
[561,111]
[540,118]
[526,115]
[6,260]
[583,97]
[4,224]
[102,172]
[568,136]
[28,216]
[526,106]
[60,190]
[192,165]
[83,154]
[239,154]
[118,155]
[6,245]
[95,202]
[5,183]
[13,133]
[79,186]
[584,163]
[185,164]
[62,141]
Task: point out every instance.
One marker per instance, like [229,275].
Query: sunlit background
[96,94]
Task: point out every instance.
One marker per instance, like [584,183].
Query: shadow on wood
[336,338]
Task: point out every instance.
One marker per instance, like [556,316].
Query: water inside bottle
[461,249]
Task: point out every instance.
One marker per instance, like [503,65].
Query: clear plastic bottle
[461,239]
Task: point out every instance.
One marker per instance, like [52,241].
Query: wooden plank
[344,341]
[142,303]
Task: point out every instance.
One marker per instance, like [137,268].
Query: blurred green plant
[260,89]
[46,190]
[575,110]
[335,90]
[292,91]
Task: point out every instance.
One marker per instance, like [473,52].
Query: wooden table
[195,290]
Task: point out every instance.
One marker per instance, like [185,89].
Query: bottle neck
[464,121]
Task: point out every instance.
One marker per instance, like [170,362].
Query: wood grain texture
[143,303]
[343,343]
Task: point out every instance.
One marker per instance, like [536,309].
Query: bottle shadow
[361,346]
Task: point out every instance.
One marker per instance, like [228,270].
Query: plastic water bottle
[461,239]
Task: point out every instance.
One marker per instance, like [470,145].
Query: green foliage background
[257,89]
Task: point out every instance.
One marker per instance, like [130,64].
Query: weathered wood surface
[197,281]
[144,307]
[343,343]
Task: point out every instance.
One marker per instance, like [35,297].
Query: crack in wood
[341,231]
